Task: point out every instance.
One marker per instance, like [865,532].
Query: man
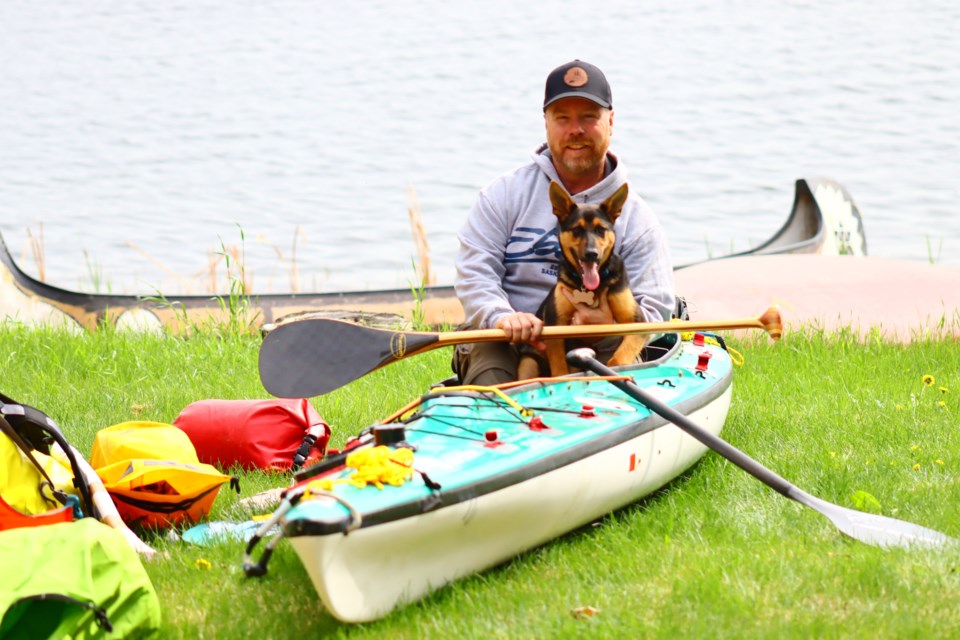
[509,250]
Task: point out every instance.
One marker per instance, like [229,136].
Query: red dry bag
[279,433]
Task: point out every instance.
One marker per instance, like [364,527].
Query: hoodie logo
[529,244]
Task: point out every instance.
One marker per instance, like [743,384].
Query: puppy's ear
[562,203]
[614,204]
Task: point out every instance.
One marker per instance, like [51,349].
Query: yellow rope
[372,465]
[411,408]
[735,356]
[526,413]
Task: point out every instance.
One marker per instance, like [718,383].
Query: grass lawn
[716,554]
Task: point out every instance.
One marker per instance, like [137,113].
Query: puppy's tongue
[591,276]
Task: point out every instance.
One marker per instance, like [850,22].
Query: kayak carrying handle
[258,569]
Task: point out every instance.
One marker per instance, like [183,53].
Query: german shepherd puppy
[590,271]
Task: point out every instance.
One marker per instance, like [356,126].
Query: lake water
[142,137]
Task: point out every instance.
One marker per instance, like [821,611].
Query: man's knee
[485,363]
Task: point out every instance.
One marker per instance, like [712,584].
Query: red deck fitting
[703,361]
[536,424]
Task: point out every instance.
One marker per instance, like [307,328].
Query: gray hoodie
[509,249]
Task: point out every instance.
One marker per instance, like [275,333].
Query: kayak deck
[474,442]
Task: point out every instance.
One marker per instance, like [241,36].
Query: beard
[580,163]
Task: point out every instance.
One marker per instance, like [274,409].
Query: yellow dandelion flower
[202,564]
[914,447]
[928,380]
[898,406]
[944,390]
[939,462]
[941,404]
[916,467]
[832,454]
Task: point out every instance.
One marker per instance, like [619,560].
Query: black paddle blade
[311,357]
[879,531]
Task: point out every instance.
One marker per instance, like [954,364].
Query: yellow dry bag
[152,472]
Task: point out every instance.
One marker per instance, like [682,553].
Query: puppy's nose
[591,256]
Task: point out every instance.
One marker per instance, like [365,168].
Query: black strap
[309,440]
[38,431]
[171,507]
[27,450]
[301,454]
[102,620]
[30,423]
[163,507]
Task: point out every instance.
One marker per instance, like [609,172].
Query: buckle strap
[10,432]
[35,430]
[309,440]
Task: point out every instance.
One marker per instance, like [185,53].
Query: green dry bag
[74,580]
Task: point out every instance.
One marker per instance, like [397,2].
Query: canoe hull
[823,220]
[363,575]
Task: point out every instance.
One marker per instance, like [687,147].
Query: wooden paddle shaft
[769,321]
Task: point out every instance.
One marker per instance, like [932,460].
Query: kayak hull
[364,575]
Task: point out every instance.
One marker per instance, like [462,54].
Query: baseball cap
[577,79]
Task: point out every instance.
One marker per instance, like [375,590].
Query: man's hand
[523,327]
[585,314]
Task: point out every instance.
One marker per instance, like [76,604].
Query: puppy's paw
[622,359]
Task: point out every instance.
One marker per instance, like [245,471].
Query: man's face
[578,134]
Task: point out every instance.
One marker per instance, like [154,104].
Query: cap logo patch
[575,77]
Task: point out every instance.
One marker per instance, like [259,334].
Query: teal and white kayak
[494,473]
